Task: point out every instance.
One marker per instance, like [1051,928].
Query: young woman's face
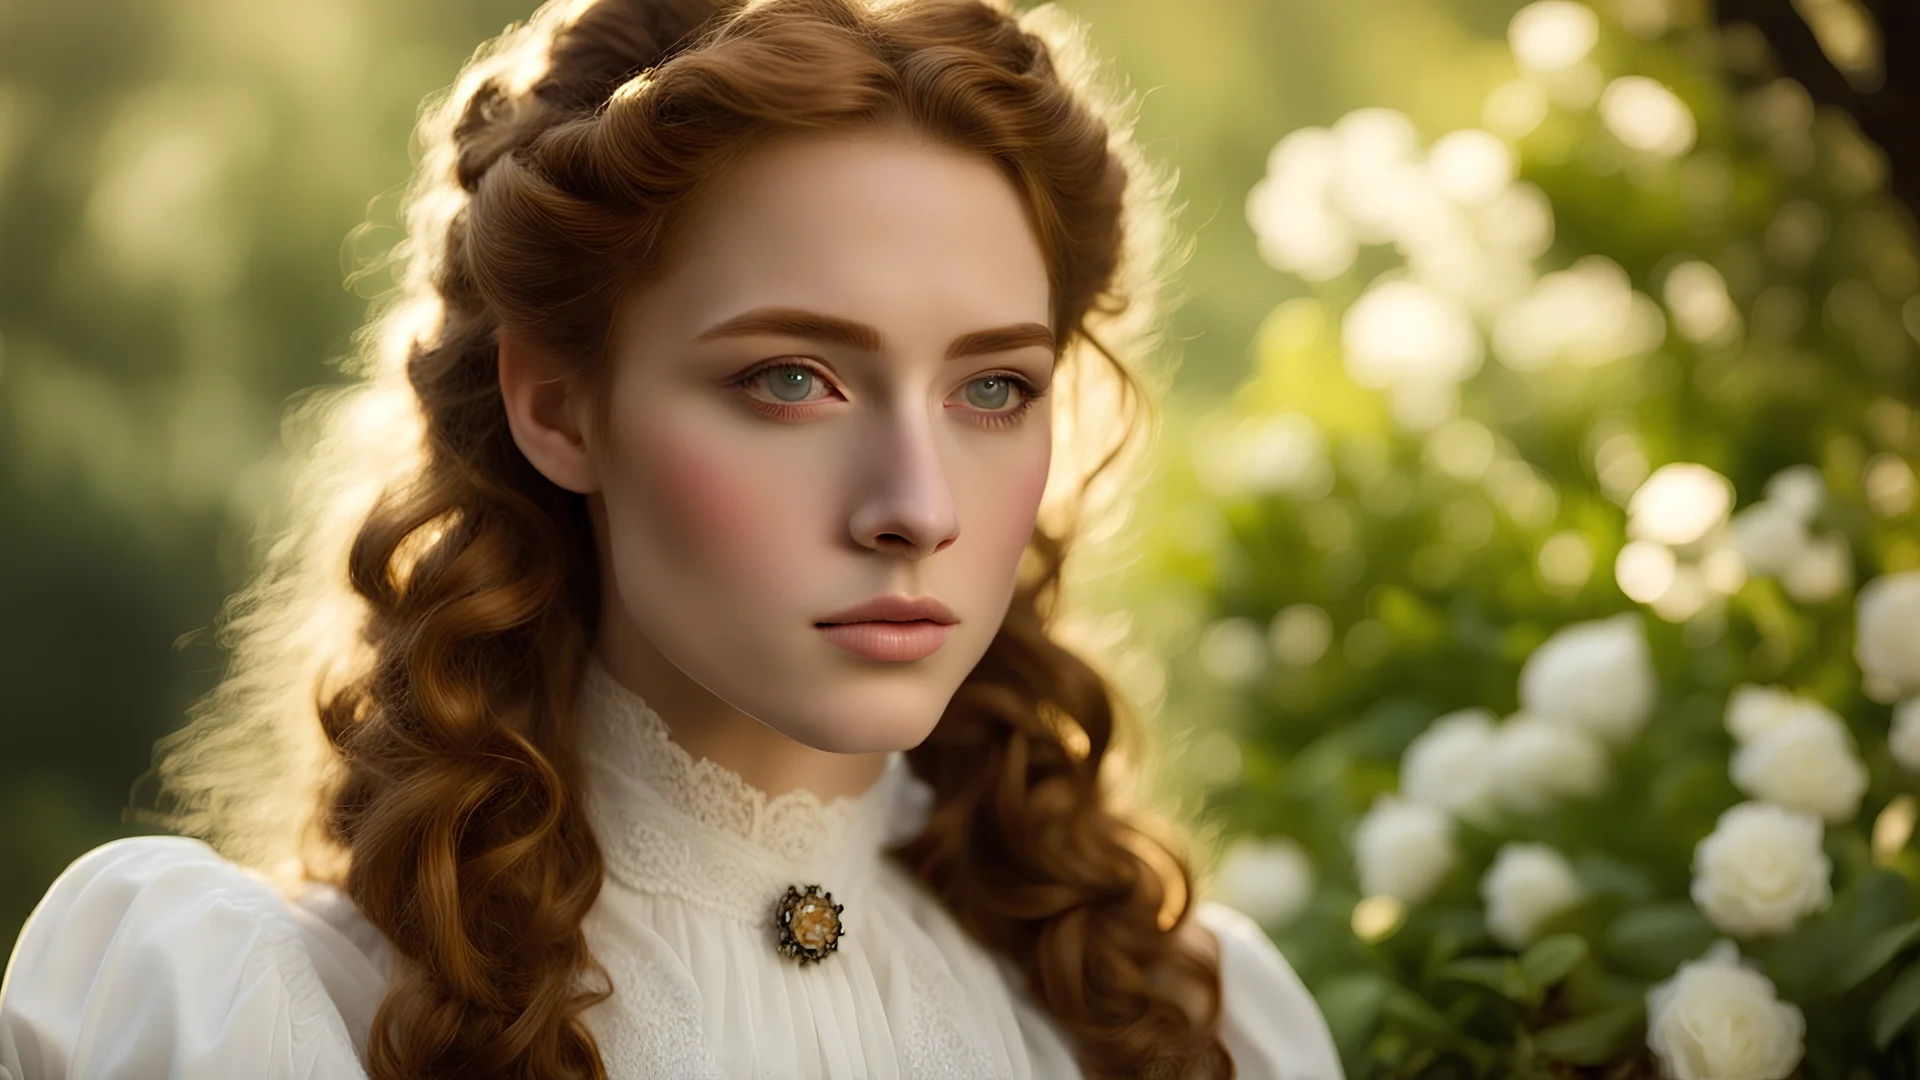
[824,403]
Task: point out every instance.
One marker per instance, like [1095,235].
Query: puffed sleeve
[1269,1022]
[154,957]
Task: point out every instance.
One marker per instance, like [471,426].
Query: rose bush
[1761,870]
[1591,595]
[1719,1019]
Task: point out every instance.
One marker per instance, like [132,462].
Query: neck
[707,726]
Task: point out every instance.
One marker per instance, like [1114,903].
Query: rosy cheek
[1012,512]
[711,506]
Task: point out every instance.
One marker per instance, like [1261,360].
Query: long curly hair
[396,718]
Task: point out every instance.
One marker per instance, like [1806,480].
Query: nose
[906,506]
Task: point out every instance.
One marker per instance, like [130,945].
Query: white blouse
[153,956]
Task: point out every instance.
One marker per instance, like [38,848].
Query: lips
[894,628]
[894,609]
[892,641]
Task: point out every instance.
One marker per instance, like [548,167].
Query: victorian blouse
[154,957]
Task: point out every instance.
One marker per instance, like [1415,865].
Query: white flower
[1270,881]
[1821,570]
[1450,766]
[1402,849]
[1888,640]
[1539,760]
[1527,885]
[1719,1019]
[1768,536]
[1904,738]
[1752,709]
[1597,674]
[1806,761]
[1761,870]
[1799,490]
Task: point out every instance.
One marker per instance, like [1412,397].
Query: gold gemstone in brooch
[809,924]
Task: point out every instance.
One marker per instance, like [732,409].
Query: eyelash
[1029,394]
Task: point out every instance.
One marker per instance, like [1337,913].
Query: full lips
[895,641]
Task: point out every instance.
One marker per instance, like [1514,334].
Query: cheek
[1007,515]
[710,507]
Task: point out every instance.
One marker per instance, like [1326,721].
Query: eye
[789,384]
[1000,388]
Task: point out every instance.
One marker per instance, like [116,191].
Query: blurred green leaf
[1351,1003]
[1410,1008]
[1550,959]
[1598,1039]
[1503,975]
[1897,1007]
[1879,951]
[1653,941]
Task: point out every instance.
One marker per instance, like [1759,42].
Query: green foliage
[1389,518]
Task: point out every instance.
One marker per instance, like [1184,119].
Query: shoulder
[1269,1021]
[154,956]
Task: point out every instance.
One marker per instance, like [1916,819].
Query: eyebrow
[796,322]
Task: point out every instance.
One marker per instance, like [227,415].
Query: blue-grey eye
[1003,385]
[791,378]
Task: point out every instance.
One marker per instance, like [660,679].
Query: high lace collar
[644,788]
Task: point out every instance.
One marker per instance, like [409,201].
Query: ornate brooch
[809,924]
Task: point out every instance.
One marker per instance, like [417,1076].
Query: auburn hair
[431,598]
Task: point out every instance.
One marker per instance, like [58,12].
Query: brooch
[809,924]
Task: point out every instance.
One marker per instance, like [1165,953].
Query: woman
[668,609]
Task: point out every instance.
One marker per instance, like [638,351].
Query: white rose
[1904,738]
[1761,870]
[1804,762]
[1768,536]
[1527,885]
[1719,1019]
[1403,849]
[1449,766]
[1799,490]
[1821,571]
[1538,760]
[1888,640]
[1597,674]
[1753,709]
[1270,881]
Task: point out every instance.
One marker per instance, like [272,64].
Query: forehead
[885,227]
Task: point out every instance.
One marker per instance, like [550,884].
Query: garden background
[1544,405]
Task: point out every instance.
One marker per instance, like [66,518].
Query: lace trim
[642,781]
[725,881]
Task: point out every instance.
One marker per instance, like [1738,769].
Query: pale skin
[732,517]
[726,532]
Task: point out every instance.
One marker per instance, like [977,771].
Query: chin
[840,734]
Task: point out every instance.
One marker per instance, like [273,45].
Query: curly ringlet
[430,597]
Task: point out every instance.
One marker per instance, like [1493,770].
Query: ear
[547,411]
